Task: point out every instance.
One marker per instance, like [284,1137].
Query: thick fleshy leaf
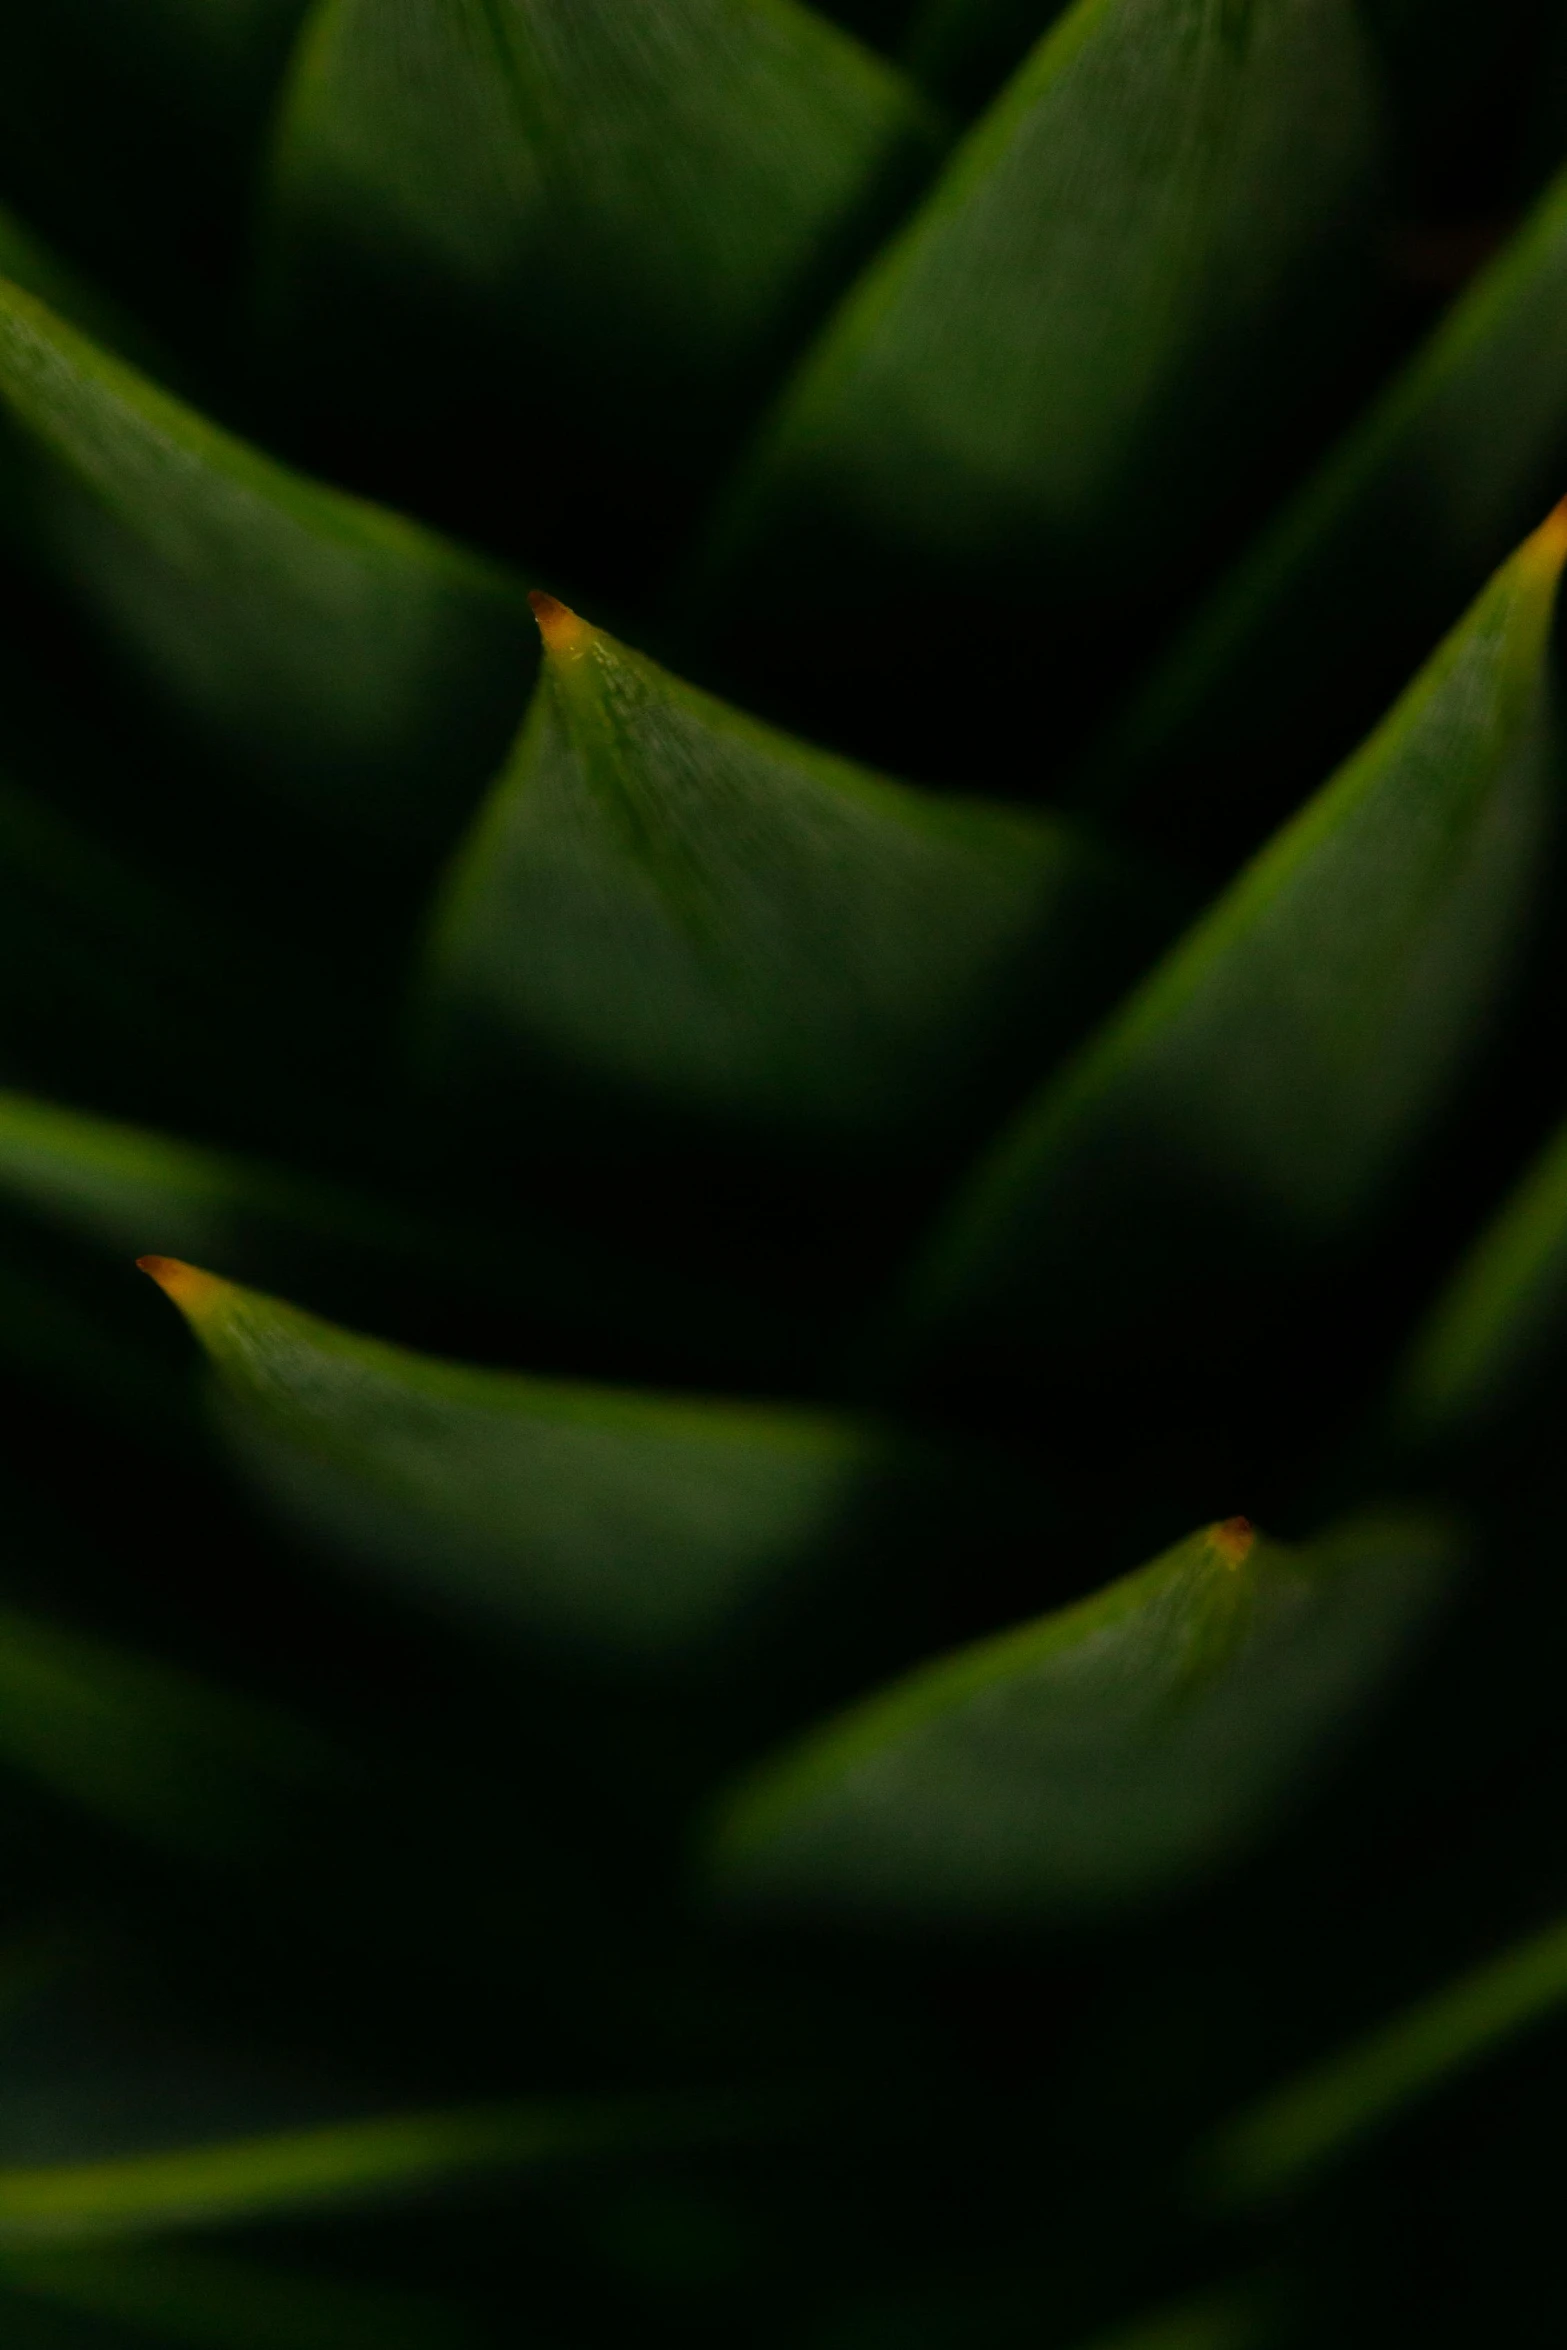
[1291,2135]
[628,202]
[1082,340]
[1101,1756]
[1254,1100]
[667,900]
[350,658]
[200,2300]
[636,1524]
[1302,647]
[1495,1344]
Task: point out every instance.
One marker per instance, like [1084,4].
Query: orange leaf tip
[564,634]
[192,1290]
[1549,542]
[1232,1540]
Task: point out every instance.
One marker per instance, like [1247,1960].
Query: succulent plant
[779,815]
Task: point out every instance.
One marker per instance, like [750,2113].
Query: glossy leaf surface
[1059,363]
[671,901]
[1098,1757]
[1255,1098]
[635,1524]
[1281,2143]
[340,652]
[638,198]
[1360,574]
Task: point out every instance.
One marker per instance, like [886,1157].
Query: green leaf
[1253,1101]
[34,266]
[1295,2132]
[1302,646]
[338,653]
[191,1769]
[1085,333]
[1098,1757]
[210,2301]
[131,133]
[667,900]
[631,208]
[219,2183]
[644,1526]
[1494,1342]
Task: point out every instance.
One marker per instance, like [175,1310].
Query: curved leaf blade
[1082,341]
[1301,647]
[668,901]
[1493,1345]
[1098,1757]
[638,1525]
[629,203]
[334,650]
[1254,1100]
[291,2172]
[189,1768]
[1289,2137]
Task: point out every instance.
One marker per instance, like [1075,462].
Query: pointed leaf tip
[1549,543]
[564,634]
[188,1286]
[1232,1539]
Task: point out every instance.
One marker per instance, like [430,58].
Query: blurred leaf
[131,134]
[965,48]
[212,2302]
[629,206]
[221,2182]
[1301,648]
[38,270]
[352,659]
[638,1524]
[1494,1343]
[1256,1097]
[196,1771]
[1098,1757]
[1283,2141]
[668,899]
[1087,334]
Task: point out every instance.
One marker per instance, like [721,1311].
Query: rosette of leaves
[780,815]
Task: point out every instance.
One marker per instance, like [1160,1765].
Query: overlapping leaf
[1075,346]
[1255,1098]
[638,1525]
[630,202]
[669,900]
[1360,574]
[1100,1756]
[347,656]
